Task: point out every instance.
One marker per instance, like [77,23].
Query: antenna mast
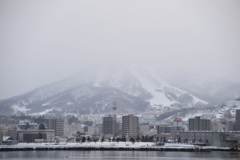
[114,108]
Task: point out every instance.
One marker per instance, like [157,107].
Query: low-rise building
[31,135]
[219,139]
[167,129]
[233,104]
[24,125]
[12,133]
[3,130]
[222,125]
[177,122]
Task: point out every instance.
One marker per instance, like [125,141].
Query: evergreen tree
[89,139]
[151,139]
[146,138]
[207,141]
[179,139]
[138,138]
[193,140]
[102,139]
[164,139]
[132,140]
[83,139]
[118,139]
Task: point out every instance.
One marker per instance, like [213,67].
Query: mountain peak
[93,89]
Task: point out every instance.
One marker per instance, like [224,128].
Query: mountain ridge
[92,91]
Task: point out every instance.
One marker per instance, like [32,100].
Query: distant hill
[94,89]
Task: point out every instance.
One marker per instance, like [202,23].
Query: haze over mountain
[93,90]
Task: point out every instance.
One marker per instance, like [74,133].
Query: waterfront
[101,155]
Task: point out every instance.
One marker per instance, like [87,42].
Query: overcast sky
[45,41]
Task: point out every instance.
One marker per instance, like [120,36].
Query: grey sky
[46,41]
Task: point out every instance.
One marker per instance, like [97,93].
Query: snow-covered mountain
[93,90]
[211,89]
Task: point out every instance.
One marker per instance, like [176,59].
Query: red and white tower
[114,108]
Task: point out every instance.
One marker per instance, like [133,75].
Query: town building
[24,125]
[237,120]
[222,125]
[144,127]
[219,139]
[199,124]
[72,119]
[12,133]
[229,125]
[177,122]
[191,124]
[34,135]
[208,116]
[3,129]
[233,104]
[93,131]
[109,125]
[130,126]
[56,124]
[168,129]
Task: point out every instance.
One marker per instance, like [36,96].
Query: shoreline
[121,146]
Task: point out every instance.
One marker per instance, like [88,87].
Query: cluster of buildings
[206,128]
[49,129]
[128,128]
[25,131]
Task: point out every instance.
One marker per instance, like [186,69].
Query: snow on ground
[86,144]
[49,102]
[165,84]
[191,116]
[45,111]
[157,87]
[23,109]
[159,98]
[196,99]
[151,85]
[218,115]
[107,145]
[179,145]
